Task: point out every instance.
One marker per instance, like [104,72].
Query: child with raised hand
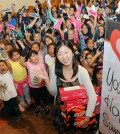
[37,86]
[20,78]
[37,47]
[8,92]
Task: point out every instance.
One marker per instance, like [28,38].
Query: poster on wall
[110,105]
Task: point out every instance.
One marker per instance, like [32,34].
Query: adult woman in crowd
[68,73]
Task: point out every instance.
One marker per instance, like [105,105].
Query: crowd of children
[29,40]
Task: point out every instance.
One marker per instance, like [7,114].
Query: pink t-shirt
[32,68]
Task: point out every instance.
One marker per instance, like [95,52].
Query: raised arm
[22,62]
[23,54]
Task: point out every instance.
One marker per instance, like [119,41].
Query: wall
[18,3]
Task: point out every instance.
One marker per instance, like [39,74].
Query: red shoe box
[75,103]
[80,102]
[72,93]
[73,116]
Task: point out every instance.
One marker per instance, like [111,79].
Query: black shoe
[2,109]
[15,119]
[30,107]
[37,112]
[47,111]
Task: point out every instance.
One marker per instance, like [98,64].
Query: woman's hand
[84,123]
[42,74]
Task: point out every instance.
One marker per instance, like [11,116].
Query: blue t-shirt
[12,21]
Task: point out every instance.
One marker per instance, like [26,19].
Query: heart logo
[115,42]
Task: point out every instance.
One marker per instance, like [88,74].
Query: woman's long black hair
[59,65]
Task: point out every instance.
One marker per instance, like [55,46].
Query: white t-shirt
[9,90]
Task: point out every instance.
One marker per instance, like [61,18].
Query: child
[50,59]
[36,46]
[8,92]
[20,78]
[86,63]
[90,44]
[37,86]
[97,82]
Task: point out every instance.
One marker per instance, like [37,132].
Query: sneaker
[30,107]
[16,35]
[3,54]
[39,23]
[37,112]
[34,15]
[3,109]
[7,10]
[22,10]
[113,17]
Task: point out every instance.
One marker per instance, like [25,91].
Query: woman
[68,73]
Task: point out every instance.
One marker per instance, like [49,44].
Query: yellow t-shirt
[19,72]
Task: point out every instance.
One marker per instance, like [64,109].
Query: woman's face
[65,56]
[84,29]
[99,76]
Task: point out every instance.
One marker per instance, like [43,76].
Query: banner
[110,105]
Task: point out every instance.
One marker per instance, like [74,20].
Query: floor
[29,124]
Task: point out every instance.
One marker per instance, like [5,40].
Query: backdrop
[18,3]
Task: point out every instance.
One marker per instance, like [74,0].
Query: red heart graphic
[115,42]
